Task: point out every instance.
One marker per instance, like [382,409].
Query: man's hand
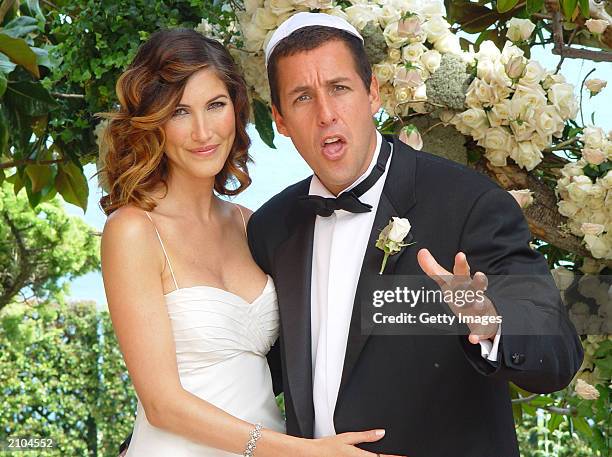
[460,280]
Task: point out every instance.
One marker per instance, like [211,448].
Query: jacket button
[517,358]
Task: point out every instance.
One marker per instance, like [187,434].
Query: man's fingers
[461,267]
[431,267]
[368,436]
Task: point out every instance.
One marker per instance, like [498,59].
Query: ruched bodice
[221,345]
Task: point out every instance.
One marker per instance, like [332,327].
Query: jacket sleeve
[539,349]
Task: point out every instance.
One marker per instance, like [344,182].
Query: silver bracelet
[252,443]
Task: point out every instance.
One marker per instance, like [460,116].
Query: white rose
[314,4]
[384,71]
[338,12]
[532,97]
[567,208]
[597,26]
[360,15]
[608,150]
[475,118]
[562,96]
[515,67]
[392,37]
[594,156]
[279,7]
[488,51]
[265,19]
[591,229]
[420,94]
[448,43]
[436,28]
[500,113]
[254,37]
[523,197]
[606,181]
[413,52]
[399,229]
[551,79]
[595,86]
[431,60]
[250,6]
[388,14]
[497,157]
[410,77]
[395,55]
[597,245]
[579,188]
[526,155]
[411,28]
[410,135]
[433,9]
[403,94]
[586,391]
[563,277]
[573,169]
[548,121]
[496,138]
[534,73]
[487,70]
[523,130]
[510,52]
[594,137]
[520,29]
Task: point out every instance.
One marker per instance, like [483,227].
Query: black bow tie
[349,200]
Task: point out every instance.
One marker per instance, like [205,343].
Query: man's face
[327,111]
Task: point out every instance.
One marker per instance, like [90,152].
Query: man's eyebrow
[216,97]
[331,82]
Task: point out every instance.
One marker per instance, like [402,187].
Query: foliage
[40,250]
[63,377]
[58,67]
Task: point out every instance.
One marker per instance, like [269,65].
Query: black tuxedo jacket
[434,395]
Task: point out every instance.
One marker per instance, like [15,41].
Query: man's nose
[326,111]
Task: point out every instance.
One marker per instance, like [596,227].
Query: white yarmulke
[301,20]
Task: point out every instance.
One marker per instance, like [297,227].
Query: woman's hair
[133,163]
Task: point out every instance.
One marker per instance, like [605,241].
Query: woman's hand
[344,444]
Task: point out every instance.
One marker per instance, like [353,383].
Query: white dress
[221,345]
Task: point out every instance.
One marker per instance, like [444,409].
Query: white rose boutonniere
[391,238]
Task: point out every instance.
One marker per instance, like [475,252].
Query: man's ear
[278,119]
[374,95]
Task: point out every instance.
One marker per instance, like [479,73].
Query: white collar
[318,188]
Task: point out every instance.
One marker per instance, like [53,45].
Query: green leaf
[504,6]
[39,175]
[555,421]
[592,171]
[568,7]
[263,122]
[582,426]
[72,185]
[6,66]
[476,17]
[19,52]
[21,26]
[31,98]
[4,132]
[35,10]
[534,6]
[3,84]
[42,58]
[584,8]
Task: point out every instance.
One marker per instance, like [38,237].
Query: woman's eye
[216,105]
[180,111]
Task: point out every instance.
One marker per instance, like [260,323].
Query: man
[436,395]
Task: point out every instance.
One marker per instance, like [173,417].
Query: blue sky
[275,169]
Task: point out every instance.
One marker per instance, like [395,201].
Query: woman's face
[201,132]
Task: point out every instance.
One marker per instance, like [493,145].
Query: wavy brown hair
[133,163]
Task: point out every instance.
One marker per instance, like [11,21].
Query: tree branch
[60,95]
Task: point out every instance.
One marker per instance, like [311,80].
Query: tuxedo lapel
[397,198]
[293,279]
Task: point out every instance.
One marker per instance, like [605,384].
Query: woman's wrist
[273,444]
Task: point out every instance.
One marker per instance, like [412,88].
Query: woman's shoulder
[129,226]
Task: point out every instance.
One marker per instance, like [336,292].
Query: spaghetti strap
[163,249]
[243,219]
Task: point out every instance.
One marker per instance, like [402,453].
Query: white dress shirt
[339,246]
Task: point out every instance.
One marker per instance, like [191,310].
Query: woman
[193,314]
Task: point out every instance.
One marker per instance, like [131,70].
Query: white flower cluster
[415,34]
[585,200]
[515,106]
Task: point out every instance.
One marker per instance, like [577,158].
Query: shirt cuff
[489,349]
